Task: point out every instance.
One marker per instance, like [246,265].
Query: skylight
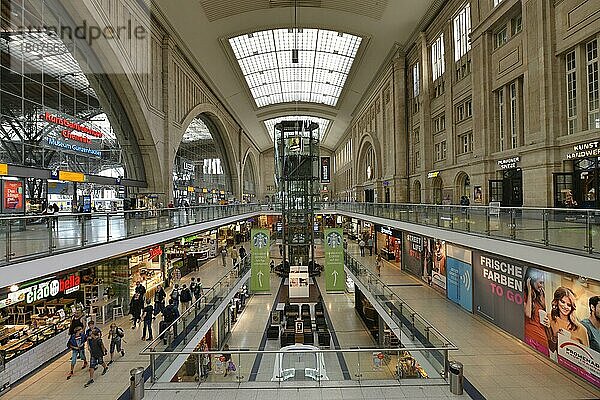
[324,61]
[323,123]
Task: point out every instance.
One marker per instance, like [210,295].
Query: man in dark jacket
[170,314]
[185,297]
[159,299]
[97,353]
[135,309]
[148,315]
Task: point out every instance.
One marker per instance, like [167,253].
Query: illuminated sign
[584,150]
[190,189]
[43,290]
[155,252]
[386,230]
[325,162]
[433,174]
[53,142]
[71,125]
[509,163]
[3,169]
[71,176]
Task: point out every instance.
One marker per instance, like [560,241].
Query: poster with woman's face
[562,320]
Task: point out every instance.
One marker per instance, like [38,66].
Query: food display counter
[408,367]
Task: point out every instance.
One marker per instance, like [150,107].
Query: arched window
[416,194]
[463,186]
[370,164]
[437,190]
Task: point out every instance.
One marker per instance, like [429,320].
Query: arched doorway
[462,186]
[437,185]
[369,174]
[201,169]
[416,194]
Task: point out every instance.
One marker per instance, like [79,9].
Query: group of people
[91,338]
[236,255]
[368,244]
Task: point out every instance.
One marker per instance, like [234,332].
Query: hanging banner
[259,251]
[335,277]
[325,170]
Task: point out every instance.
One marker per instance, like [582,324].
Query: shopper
[77,345]
[185,297]
[361,246]
[97,353]
[345,244]
[370,245]
[193,285]
[159,299]
[197,290]
[223,256]
[378,264]
[229,366]
[78,321]
[170,314]
[176,276]
[135,309]
[147,317]
[272,265]
[140,289]
[234,255]
[281,250]
[242,252]
[116,335]
[175,296]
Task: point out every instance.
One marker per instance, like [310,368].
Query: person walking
[224,256]
[135,309]
[97,353]
[148,315]
[361,246]
[77,345]
[378,262]
[370,245]
[197,290]
[78,321]
[159,299]
[242,252]
[175,296]
[185,297]
[192,286]
[176,276]
[234,255]
[272,265]
[229,366]
[170,314]
[116,335]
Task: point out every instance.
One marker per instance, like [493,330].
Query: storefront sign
[386,230]
[259,255]
[412,259]
[71,176]
[433,174]
[585,150]
[12,196]
[43,290]
[155,252]
[71,125]
[190,189]
[325,163]
[187,166]
[509,163]
[335,277]
[3,169]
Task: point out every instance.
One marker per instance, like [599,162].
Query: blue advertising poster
[459,284]
[87,203]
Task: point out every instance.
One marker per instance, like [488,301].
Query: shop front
[191,252]
[389,244]
[579,188]
[508,190]
[34,322]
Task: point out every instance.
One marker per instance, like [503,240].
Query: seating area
[299,326]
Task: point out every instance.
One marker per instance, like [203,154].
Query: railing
[178,334]
[308,368]
[575,229]
[417,329]
[32,236]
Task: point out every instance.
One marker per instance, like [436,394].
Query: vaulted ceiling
[208,29]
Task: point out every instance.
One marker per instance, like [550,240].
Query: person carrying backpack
[175,296]
[97,353]
[170,314]
[115,335]
[185,297]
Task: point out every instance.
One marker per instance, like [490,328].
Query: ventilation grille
[218,9]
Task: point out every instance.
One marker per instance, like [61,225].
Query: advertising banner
[325,169]
[412,257]
[498,290]
[13,194]
[581,360]
[259,254]
[335,276]
[434,271]
[460,283]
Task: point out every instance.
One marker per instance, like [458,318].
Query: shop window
[496,191]
[563,189]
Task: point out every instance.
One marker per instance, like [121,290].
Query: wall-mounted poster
[13,194]
[434,270]
[477,195]
[459,276]
[412,258]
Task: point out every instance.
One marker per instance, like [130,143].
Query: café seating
[41,310]
[51,310]
[305,310]
[22,313]
[118,309]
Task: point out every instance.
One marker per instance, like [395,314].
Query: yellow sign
[190,188]
[204,190]
[3,169]
[71,176]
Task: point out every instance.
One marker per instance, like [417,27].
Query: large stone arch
[366,141]
[211,116]
[250,160]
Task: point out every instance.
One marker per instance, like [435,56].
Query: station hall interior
[299,199]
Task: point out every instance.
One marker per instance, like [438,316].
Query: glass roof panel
[196,131]
[324,61]
[323,122]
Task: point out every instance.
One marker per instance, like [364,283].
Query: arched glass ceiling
[324,61]
[196,131]
[323,123]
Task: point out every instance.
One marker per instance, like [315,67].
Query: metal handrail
[349,350]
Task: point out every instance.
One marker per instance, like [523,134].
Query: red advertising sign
[12,196]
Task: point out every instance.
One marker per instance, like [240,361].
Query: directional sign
[335,277]
[259,253]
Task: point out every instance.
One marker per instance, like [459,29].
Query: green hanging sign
[335,277]
[259,245]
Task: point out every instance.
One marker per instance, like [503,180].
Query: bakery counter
[25,349]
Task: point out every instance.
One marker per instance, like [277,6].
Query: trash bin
[456,377]
[136,383]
